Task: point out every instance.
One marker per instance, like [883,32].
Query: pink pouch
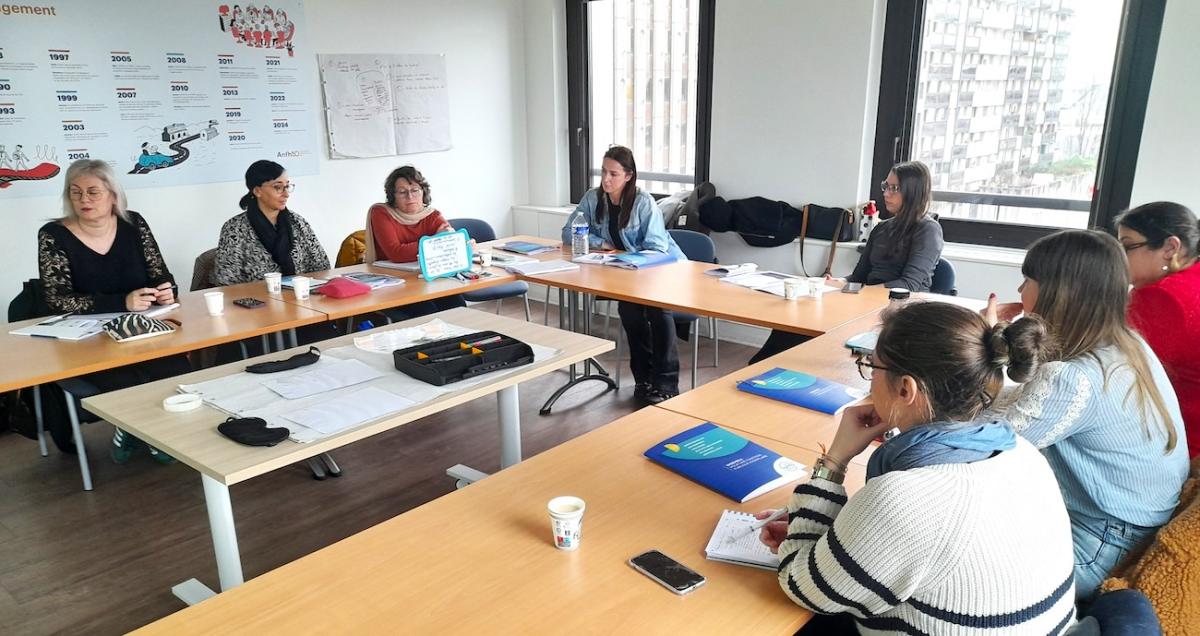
[342,287]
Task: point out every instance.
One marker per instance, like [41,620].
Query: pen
[758,525]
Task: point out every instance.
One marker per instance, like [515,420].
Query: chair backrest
[29,303]
[696,246]
[479,229]
[353,250]
[944,278]
[203,270]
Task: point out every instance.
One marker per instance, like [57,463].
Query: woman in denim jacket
[622,217]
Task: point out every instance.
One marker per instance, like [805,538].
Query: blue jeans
[1118,613]
[1099,545]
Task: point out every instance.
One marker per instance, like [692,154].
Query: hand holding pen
[772,526]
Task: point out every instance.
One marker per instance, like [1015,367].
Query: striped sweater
[980,548]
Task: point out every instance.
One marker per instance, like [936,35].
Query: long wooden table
[192,437]
[481,560]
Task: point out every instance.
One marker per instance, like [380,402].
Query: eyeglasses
[1129,247]
[866,367]
[91,195]
[885,187]
[280,188]
[414,192]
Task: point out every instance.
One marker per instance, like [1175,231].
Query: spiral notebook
[733,542]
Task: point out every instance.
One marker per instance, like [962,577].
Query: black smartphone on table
[249,303]
[852,288]
[667,572]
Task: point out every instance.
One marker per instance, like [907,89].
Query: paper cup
[214,302]
[816,288]
[274,282]
[566,521]
[300,286]
[485,256]
[793,288]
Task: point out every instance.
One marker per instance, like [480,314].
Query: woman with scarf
[960,525]
[395,228]
[267,236]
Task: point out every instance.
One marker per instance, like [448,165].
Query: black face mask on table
[295,362]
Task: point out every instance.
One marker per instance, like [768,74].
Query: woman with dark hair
[621,216]
[960,527]
[1161,241]
[267,236]
[395,228]
[1102,409]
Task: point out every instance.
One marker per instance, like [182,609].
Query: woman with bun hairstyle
[1101,409]
[1161,242]
[960,526]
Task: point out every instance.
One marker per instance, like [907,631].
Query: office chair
[481,231]
[944,278]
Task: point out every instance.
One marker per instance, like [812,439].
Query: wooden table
[481,560]
[192,437]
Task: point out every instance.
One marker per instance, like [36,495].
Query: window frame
[1133,71]
[579,122]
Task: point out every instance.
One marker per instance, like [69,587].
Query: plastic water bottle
[867,222]
[579,236]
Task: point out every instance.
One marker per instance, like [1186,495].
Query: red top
[397,242]
[1167,314]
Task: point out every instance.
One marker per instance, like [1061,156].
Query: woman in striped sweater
[1102,410]
[960,527]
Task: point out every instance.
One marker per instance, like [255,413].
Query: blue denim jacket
[645,230]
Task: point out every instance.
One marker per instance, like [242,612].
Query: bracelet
[821,471]
[835,463]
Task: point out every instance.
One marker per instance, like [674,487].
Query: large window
[1013,105]
[639,76]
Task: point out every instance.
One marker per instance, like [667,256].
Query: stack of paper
[540,267]
[733,541]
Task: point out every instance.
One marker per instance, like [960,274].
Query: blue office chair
[944,278]
[481,231]
[696,246]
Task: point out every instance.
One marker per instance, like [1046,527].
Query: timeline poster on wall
[379,105]
[168,93]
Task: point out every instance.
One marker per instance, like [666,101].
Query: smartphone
[248,303]
[668,572]
[852,288]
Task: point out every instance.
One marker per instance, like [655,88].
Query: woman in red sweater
[1160,240]
[395,228]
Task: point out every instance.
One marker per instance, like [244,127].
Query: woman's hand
[140,299]
[834,281]
[774,532]
[164,294]
[996,311]
[860,424]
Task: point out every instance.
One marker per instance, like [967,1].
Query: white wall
[1166,165]
[484,173]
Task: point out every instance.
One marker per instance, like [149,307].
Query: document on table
[348,411]
[326,378]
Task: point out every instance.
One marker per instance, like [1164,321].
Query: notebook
[313,283]
[732,270]
[725,462]
[80,326]
[801,389]
[413,266]
[734,542]
[627,260]
[527,248]
[540,267]
[376,281]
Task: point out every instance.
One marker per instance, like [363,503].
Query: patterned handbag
[128,327]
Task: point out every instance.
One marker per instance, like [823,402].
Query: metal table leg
[573,302]
[224,536]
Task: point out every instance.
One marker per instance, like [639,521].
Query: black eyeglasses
[1129,247]
[866,367]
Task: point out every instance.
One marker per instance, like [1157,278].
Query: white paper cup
[816,287]
[485,256]
[566,521]
[793,288]
[274,282]
[214,302]
[300,286]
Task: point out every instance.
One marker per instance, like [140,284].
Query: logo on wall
[15,165]
[255,28]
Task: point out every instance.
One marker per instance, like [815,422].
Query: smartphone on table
[667,572]
[852,288]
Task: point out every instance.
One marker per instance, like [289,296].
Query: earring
[1165,268]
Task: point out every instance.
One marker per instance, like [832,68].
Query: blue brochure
[801,389]
[725,462]
[640,260]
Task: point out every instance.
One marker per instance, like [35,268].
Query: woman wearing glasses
[395,228]
[267,236]
[960,526]
[102,258]
[1160,241]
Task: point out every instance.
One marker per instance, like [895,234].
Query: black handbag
[831,224]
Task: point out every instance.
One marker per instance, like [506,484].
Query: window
[639,75]
[1046,104]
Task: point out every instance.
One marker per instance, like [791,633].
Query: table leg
[41,424]
[292,337]
[224,533]
[510,426]
[279,340]
[573,301]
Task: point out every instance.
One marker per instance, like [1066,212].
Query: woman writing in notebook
[960,525]
[1102,409]
[395,228]
[101,258]
[1161,241]
[621,216]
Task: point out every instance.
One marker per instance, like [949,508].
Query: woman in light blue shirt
[622,217]
[1102,409]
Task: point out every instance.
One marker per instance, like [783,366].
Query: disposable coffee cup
[274,282]
[793,288]
[566,521]
[898,294]
[485,256]
[816,287]
[214,302]
[300,286]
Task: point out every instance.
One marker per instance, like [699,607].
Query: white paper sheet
[348,411]
[328,377]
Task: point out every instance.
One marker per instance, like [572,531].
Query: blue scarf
[941,443]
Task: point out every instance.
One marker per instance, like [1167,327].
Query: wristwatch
[822,471]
